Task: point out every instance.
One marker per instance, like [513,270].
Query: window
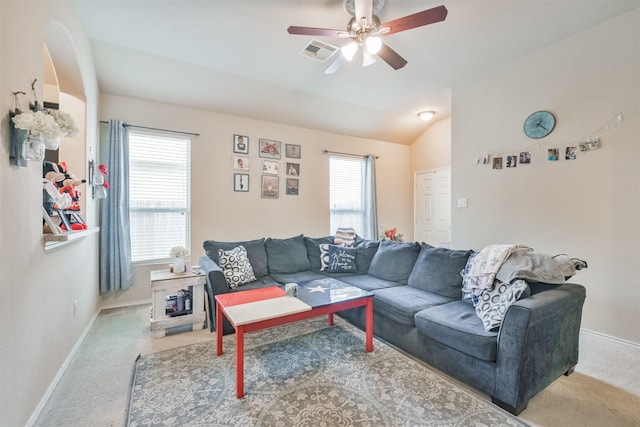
[159,194]
[346,194]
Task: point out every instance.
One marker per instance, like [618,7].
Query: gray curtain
[116,272]
[370,200]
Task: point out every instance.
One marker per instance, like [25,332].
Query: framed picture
[269,149]
[292,186]
[241,144]
[241,182]
[241,163]
[292,151]
[293,169]
[270,168]
[270,186]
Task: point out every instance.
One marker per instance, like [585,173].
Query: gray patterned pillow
[495,302]
[324,256]
[236,267]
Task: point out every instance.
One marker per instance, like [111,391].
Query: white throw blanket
[485,267]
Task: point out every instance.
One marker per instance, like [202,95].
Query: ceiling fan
[364,30]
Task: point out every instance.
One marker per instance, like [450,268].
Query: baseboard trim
[43,401]
[125,304]
[609,338]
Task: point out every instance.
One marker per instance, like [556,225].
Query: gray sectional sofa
[418,307]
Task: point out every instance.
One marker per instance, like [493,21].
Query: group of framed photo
[524,158]
[270,178]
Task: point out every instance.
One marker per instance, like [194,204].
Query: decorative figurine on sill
[67,185]
[393,235]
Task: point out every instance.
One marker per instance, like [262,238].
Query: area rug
[303,374]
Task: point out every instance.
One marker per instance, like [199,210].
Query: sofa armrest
[216,285]
[538,342]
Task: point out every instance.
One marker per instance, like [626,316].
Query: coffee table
[256,309]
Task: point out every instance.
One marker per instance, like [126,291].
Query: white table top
[252,312]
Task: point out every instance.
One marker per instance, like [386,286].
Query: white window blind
[346,195]
[159,193]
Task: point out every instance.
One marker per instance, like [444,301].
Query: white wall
[37,325]
[589,207]
[432,149]
[219,213]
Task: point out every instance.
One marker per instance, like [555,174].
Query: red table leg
[330,315]
[239,362]
[218,329]
[369,324]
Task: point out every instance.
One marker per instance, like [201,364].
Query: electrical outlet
[462,203]
[75,308]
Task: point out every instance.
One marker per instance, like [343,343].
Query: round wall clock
[539,124]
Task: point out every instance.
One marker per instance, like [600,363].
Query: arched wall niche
[63,85]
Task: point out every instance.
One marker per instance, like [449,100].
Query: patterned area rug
[303,374]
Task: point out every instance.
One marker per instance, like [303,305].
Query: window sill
[54,241]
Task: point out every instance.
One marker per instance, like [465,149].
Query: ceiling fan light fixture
[367,58]
[425,116]
[373,44]
[349,50]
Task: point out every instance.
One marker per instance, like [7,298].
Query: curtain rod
[146,127]
[347,154]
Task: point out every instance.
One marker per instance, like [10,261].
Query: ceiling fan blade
[364,9]
[310,31]
[335,65]
[391,57]
[426,17]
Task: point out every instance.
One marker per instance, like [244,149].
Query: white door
[432,200]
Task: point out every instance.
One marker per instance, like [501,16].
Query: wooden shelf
[52,241]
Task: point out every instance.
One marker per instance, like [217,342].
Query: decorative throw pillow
[345,237]
[342,259]
[236,267]
[495,302]
[324,256]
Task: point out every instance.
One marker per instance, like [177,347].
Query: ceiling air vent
[318,50]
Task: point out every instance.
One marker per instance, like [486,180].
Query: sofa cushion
[366,250]
[401,303]
[367,282]
[236,267]
[313,250]
[394,260]
[438,270]
[287,255]
[255,252]
[456,325]
[299,277]
[342,259]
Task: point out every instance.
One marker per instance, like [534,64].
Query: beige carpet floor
[94,389]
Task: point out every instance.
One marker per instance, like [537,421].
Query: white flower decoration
[178,251]
[46,123]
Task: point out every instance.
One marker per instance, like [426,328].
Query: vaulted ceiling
[236,57]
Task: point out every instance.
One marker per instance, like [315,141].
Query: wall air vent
[318,50]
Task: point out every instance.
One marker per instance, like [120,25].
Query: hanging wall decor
[35,130]
[569,151]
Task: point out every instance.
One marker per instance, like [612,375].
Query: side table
[163,283]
